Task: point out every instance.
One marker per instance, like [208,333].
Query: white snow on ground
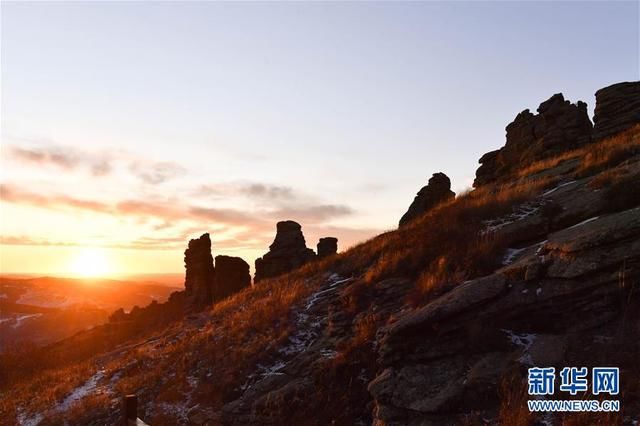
[22,318]
[519,213]
[25,420]
[524,341]
[177,410]
[591,219]
[551,191]
[193,381]
[511,254]
[45,300]
[88,387]
[308,328]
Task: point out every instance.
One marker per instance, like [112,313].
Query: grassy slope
[441,249]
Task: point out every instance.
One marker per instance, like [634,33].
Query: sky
[130,127]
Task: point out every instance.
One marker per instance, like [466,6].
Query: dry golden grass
[594,157]
[439,250]
[513,408]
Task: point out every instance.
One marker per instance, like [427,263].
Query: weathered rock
[327,246]
[199,275]
[437,190]
[617,109]
[287,252]
[232,275]
[559,126]
[450,356]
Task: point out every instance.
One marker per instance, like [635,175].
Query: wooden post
[130,409]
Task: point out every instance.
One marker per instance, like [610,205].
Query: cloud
[46,156]
[313,213]
[66,158]
[171,223]
[13,194]
[156,173]
[96,163]
[252,190]
[268,191]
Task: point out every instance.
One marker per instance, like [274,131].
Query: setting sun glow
[90,263]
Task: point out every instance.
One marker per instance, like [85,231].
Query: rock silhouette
[617,109]
[559,126]
[327,246]
[437,190]
[232,275]
[199,272]
[287,252]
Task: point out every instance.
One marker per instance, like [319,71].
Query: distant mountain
[46,309]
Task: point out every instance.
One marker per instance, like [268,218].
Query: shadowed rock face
[327,246]
[232,275]
[437,190]
[617,109]
[288,252]
[559,126]
[199,275]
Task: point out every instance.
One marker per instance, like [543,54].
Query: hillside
[40,310]
[435,322]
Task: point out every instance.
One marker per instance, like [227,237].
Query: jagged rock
[450,356]
[437,190]
[559,126]
[327,246]
[617,109]
[199,276]
[287,252]
[232,275]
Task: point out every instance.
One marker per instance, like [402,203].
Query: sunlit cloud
[98,164]
[156,173]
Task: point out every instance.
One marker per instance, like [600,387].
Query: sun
[90,263]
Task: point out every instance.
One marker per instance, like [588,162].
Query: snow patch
[524,340]
[22,318]
[591,219]
[551,191]
[81,391]
[25,420]
[511,254]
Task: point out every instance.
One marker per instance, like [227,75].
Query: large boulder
[199,276]
[288,252]
[232,275]
[327,246]
[617,109]
[559,126]
[437,190]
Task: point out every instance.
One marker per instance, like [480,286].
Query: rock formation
[559,126]
[287,252]
[437,190]
[617,109]
[327,246]
[232,275]
[199,276]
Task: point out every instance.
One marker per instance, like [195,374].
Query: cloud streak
[97,164]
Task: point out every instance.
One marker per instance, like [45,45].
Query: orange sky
[122,137]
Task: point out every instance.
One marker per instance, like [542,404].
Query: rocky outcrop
[199,276]
[232,275]
[287,252]
[327,246]
[564,296]
[437,190]
[559,126]
[617,109]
